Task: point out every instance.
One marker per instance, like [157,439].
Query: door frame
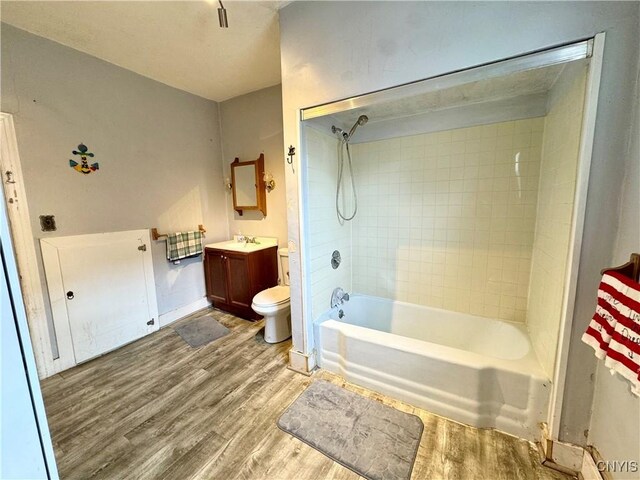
[25,345]
[25,251]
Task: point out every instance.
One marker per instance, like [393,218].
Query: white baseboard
[170,317]
[589,470]
[61,364]
[302,363]
[569,458]
[567,455]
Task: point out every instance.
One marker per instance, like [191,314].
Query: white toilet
[273,304]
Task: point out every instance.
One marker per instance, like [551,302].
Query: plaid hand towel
[183,244]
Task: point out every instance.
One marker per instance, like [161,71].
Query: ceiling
[176,43]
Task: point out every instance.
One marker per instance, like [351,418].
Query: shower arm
[353,129]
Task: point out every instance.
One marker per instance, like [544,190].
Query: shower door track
[543,58]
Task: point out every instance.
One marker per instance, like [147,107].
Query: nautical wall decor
[83,166]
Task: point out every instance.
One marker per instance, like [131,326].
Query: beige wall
[158,149]
[446,219]
[558,171]
[616,411]
[317,67]
[252,124]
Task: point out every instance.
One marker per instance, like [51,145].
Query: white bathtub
[475,370]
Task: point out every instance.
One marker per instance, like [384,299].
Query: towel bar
[630,269]
[155,235]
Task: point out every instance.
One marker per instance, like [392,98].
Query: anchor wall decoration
[83,166]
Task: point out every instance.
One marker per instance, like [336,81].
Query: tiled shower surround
[447,219]
[561,147]
[324,233]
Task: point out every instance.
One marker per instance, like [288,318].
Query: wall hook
[292,152]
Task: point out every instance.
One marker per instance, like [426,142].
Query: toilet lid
[272,296]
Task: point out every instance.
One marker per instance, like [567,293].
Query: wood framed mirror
[248,188]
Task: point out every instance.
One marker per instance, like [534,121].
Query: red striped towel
[614,331]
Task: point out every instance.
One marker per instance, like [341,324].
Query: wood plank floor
[158,408]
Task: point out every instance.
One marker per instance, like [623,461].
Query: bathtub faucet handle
[338,297]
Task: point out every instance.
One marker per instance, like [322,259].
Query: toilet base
[277,329]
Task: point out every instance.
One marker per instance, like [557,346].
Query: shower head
[344,136]
[362,119]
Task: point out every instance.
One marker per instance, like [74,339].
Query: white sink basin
[236,246]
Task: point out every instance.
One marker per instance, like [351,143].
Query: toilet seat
[273,296]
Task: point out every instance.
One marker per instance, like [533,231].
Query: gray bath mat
[374,440]
[201,330]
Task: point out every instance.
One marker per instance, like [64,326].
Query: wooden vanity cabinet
[234,278]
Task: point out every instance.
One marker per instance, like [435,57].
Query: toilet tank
[283,256]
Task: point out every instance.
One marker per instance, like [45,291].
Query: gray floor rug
[374,440]
[201,330]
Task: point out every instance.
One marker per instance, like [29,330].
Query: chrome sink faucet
[247,239]
[338,297]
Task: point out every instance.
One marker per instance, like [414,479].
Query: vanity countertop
[236,246]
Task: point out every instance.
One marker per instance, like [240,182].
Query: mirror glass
[245,185]
[249,192]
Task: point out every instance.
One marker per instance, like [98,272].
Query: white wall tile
[558,170]
[457,230]
[324,233]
